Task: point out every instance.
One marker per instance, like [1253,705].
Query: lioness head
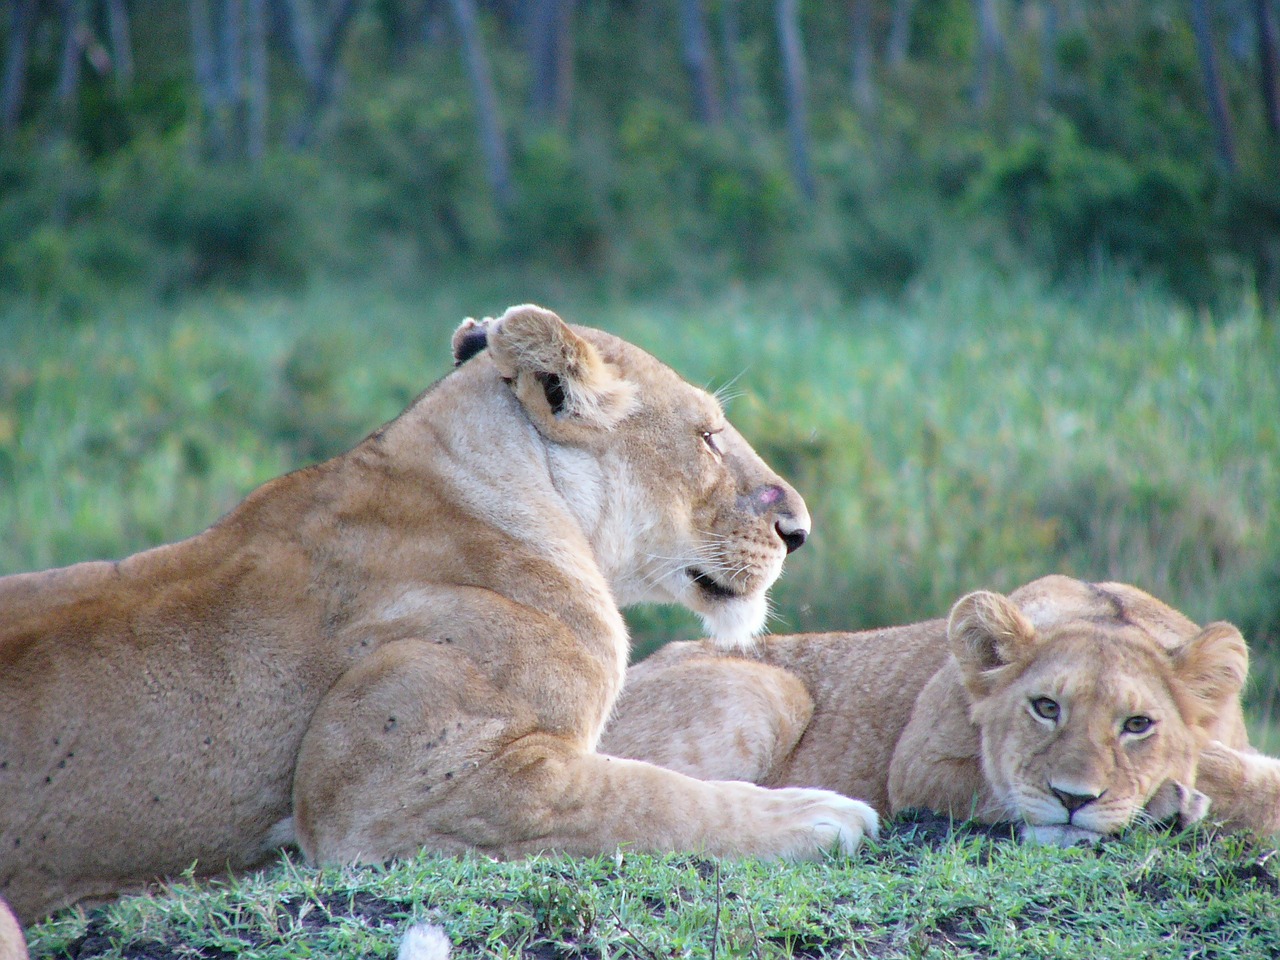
[676,504]
[1093,701]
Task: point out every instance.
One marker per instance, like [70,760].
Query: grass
[920,892]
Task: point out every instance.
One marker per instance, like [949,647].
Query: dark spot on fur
[449,775]
[389,725]
[1118,610]
[17,842]
[471,344]
[553,387]
[48,779]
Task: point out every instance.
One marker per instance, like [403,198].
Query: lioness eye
[712,442]
[1045,708]
[1138,724]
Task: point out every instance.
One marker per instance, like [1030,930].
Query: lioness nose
[1074,801]
[793,534]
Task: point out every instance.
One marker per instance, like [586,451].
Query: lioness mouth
[710,586]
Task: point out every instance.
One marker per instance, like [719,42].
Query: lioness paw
[836,823]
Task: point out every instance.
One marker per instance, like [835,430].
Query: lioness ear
[987,633]
[1212,666]
[555,373]
[470,338]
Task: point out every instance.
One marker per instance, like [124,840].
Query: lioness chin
[1076,708]
[413,645]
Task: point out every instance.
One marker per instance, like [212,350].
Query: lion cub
[413,645]
[1076,708]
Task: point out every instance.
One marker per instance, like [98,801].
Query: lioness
[413,645]
[1071,706]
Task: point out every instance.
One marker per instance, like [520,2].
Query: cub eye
[1045,708]
[712,441]
[1138,724]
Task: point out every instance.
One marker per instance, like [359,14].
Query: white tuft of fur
[735,624]
[424,941]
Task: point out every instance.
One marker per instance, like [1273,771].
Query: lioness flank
[413,645]
[1073,707]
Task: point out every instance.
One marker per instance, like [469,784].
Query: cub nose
[1073,801]
[793,534]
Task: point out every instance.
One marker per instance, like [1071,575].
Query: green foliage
[917,893]
[1098,149]
[1065,200]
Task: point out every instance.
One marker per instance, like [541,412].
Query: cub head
[1093,706]
[676,505]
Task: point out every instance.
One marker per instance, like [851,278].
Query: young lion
[1073,707]
[415,644]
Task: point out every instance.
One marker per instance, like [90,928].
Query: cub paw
[1059,834]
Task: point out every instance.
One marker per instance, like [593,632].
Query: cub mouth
[709,586]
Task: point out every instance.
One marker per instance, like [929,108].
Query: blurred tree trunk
[206,62]
[229,60]
[1217,101]
[795,82]
[1266,26]
[1049,51]
[860,75]
[989,53]
[696,52]
[551,55]
[256,94]
[121,44]
[735,84]
[22,16]
[899,42]
[318,51]
[74,33]
[492,141]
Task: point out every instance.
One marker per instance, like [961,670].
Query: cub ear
[557,375]
[987,633]
[1213,666]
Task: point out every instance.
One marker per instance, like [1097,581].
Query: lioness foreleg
[394,762]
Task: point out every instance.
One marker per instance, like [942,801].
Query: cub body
[1073,707]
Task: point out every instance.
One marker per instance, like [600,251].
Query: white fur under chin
[735,624]
[424,941]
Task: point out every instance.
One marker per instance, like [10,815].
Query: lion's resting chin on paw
[1076,708]
[415,644]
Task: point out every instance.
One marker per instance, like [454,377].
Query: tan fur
[940,715]
[13,946]
[415,644]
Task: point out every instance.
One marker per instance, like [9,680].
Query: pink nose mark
[769,496]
